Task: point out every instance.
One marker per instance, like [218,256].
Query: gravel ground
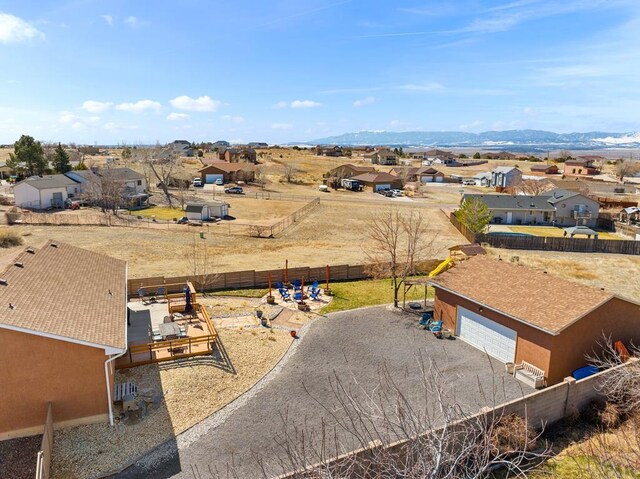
[18,457]
[179,395]
[352,345]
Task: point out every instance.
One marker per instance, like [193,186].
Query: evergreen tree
[60,161]
[475,215]
[27,157]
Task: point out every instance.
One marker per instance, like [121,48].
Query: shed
[515,313]
[206,211]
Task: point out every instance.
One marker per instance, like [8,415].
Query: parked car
[387,193]
[234,190]
[219,182]
[469,182]
[197,182]
[183,221]
[397,192]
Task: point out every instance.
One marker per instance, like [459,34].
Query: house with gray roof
[505,177]
[573,208]
[45,192]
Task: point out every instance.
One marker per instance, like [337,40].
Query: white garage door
[211,178]
[382,187]
[497,340]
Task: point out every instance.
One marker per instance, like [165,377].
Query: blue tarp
[585,372]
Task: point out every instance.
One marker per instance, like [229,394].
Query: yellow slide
[441,267]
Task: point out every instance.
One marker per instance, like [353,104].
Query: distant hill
[514,140]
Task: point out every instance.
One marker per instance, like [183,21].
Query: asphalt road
[351,345]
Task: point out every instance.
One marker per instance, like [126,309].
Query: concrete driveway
[353,345]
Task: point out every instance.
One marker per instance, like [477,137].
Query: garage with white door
[494,338]
[214,178]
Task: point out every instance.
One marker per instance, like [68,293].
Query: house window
[580,171]
[139,182]
[574,170]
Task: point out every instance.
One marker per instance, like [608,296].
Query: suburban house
[207,211]
[132,183]
[432,155]
[329,150]
[258,144]
[516,209]
[573,208]
[377,180]
[544,169]
[236,155]
[227,172]
[5,171]
[505,177]
[483,179]
[582,166]
[382,156]
[45,192]
[531,316]
[181,148]
[65,323]
[422,174]
[336,176]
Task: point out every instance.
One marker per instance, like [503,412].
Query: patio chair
[161,293]
[279,285]
[314,294]
[426,319]
[297,296]
[285,294]
[156,336]
[142,294]
[297,285]
[436,328]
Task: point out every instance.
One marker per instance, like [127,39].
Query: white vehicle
[219,181]
[469,182]
[397,192]
[197,182]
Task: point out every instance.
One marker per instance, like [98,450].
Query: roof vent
[54,245]
[31,250]
[601,289]
[12,306]
[19,264]
[4,281]
[544,272]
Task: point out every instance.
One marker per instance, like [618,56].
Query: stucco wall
[564,213]
[533,345]
[36,370]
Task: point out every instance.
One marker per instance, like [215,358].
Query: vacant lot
[334,233]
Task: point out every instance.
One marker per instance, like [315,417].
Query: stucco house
[236,155]
[382,156]
[63,326]
[505,177]
[582,166]
[424,174]
[329,150]
[45,192]
[132,184]
[544,169]
[516,209]
[548,322]
[378,180]
[227,172]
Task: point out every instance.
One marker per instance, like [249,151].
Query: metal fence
[44,454]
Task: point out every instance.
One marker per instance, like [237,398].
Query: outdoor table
[169,329]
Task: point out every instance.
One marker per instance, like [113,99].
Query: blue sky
[292,70]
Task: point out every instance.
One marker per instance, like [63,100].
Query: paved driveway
[353,345]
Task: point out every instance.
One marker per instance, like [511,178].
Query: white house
[205,212]
[45,192]
[134,184]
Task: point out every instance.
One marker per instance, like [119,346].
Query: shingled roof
[66,292]
[529,295]
[513,202]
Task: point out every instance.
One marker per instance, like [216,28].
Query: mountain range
[513,140]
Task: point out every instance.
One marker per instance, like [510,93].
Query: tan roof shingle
[531,295]
[68,292]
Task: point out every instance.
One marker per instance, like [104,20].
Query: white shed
[204,212]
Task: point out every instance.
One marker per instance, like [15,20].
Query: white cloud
[178,116]
[108,19]
[93,106]
[140,106]
[233,119]
[67,117]
[281,126]
[132,21]
[431,86]
[203,103]
[14,29]
[280,105]
[304,104]
[364,101]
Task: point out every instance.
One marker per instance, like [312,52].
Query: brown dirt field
[255,211]
[334,233]
[619,274]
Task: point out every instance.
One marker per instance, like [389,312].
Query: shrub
[9,239]
[512,433]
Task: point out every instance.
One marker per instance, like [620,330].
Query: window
[139,182]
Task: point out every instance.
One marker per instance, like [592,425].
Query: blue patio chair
[297,285]
[142,294]
[279,285]
[314,294]
[426,319]
[297,296]
[285,294]
[436,328]
[314,286]
[160,293]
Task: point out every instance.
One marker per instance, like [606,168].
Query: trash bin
[509,367]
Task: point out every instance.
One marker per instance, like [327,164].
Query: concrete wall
[37,370]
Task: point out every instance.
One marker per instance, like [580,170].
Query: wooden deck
[200,338]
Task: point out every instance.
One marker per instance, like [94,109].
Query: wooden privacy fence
[250,278]
[545,243]
[44,454]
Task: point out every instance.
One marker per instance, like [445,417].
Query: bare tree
[202,262]
[290,171]
[161,163]
[626,168]
[104,189]
[400,243]
[259,177]
[534,187]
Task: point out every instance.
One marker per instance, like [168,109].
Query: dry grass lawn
[554,232]
[619,274]
[191,390]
